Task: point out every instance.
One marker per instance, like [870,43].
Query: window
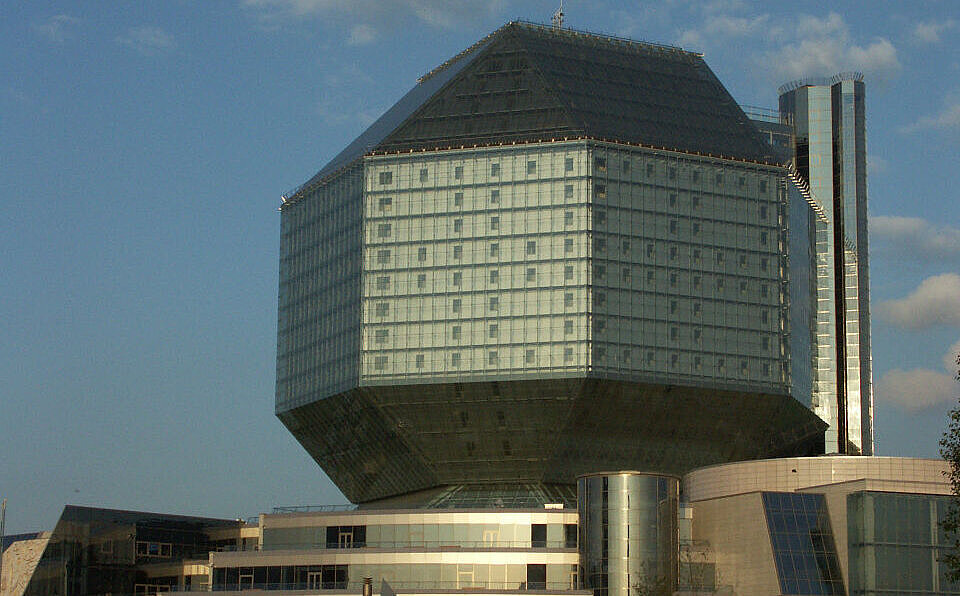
[568,164]
[457,278]
[423,174]
[719,179]
[764,264]
[650,250]
[419,361]
[625,274]
[456,332]
[599,271]
[458,225]
[764,290]
[600,191]
[492,358]
[380,336]
[494,276]
[568,327]
[764,317]
[385,203]
[672,173]
[626,356]
[763,186]
[494,303]
[568,245]
[695,202]
[494,196]
[422,281]
[765,343]
[383,282]
[719,257]
[494,169]
[649,169]
[650,358]
[380,363]
[742,260]
[625,168]
[674,360]
[600,244]
[495,223]
[531,247]
[494,330]
[696,229]
[743,367]
[697,363]
[600,298]
[568,272]
[673,280]
[568,354]
[696,256]
[674,333]
[495,249]
[741,182]
[458,172]
[386,177]
[600,164]
[457,304]
[568,299]
[625,247]
[696,175]
[530,356]
[651,276]
[697,334]
[455,359]
[719,283]
[383,230]
[766,369]
[382,309]
[568,218]
[538,535]
[601,217]
[673,199]
[673,252]
[721,365]
[696,309]
[568,191]
[383,256]
[673,226]
[763,238]
[422,253]
[531,167]
[531,274]
[696,282]
[457,252]
[458,199]
[763,212]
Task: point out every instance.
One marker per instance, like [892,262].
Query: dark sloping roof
[527,82]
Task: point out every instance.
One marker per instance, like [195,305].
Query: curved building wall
[901,474]
[628,532]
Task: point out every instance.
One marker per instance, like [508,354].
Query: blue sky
[144,148]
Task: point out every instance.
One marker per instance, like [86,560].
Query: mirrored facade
[828,117]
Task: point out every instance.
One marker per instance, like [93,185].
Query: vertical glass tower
[830,156]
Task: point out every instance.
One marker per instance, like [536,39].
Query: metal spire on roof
[557,18]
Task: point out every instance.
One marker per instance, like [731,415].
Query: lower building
[792,526]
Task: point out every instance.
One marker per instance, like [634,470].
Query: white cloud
[362,34]
[916,389]
[915,236]
[57,28]
[947,118]
[935,302]
[930,32]
[377,14]
[921,388]
[876,164]
[147,40]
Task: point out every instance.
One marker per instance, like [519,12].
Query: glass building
[828,119]
[559,253]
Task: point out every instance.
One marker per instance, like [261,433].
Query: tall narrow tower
[830,154]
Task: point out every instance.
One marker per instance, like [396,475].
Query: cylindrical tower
[628,533]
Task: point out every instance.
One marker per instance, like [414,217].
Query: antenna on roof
[557,18]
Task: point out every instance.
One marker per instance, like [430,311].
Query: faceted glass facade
[895,544]
[490,295]
[803,545]
[830,154]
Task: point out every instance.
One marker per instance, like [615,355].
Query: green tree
[950,451]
